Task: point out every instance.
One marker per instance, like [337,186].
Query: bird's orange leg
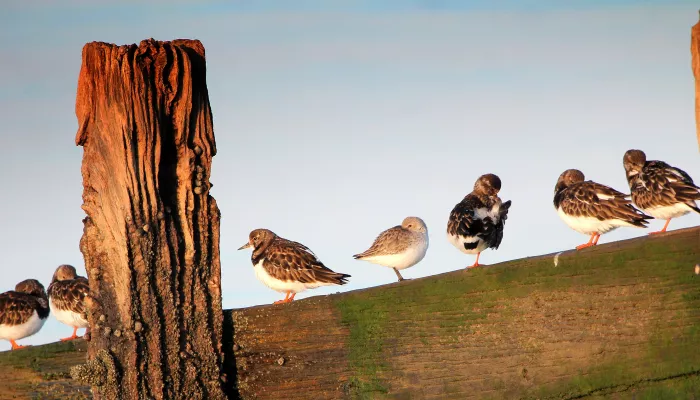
[291,298]
[476,263]
[597,236]
[589,244]
[73,336]
[662,230]
[15,346]
[286,297]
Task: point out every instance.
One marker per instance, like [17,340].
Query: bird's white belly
[67,317]
[16,332]
[591,225]
[277,284]
[459,241]
[410,257]
[668,212]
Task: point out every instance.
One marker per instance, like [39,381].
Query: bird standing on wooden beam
[476,223]
[23,311]
[593,209]
[658,189]
[400,247]
[67,293]
[288,267]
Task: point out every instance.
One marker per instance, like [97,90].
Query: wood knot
[280,361]
[197,150]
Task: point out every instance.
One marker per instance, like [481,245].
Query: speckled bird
[288,267]
[658,189]
[592,208]
[23,311]
[67,293]
[476,223]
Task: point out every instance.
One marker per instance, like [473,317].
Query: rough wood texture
[613,320]
[695,54]
[620,321]
[151,235]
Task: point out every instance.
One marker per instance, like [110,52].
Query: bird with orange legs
[288,267]
[592,208]
[67,293]
[23,311]
[658,189]
[476,223]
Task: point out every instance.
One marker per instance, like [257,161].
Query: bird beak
[245,246]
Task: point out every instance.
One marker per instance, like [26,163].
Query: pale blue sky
[360,113]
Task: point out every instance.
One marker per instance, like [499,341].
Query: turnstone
[67,293]
[658,189]
[593,209]
[288,267]
[476,223]
[399,247]
[23,311]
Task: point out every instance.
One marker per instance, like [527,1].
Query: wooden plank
[618,315]
[620,320]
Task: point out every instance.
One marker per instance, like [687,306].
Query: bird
[476,223]
[400,247]
[658,189]
[592,208]
[67,293]
[23,311]
[288,267]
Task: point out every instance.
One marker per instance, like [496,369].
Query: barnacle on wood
[99,371]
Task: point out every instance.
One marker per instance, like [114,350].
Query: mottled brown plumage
[288,266]
[67,293]
[658,189]
[580,198]
[17,308]
[593,209]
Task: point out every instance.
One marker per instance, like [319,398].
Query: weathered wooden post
[151,235]
[695,54]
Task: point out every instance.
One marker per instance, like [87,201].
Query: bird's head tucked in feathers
[488,184]
[634,161]
[63,273]
[32,287]
[568,178]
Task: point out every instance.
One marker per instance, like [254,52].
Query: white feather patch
[16,332]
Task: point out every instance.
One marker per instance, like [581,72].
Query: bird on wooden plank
[400,247]
[23,311]
[288,267]
[67,293]
[592,208]
[476,223]
[658,189]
